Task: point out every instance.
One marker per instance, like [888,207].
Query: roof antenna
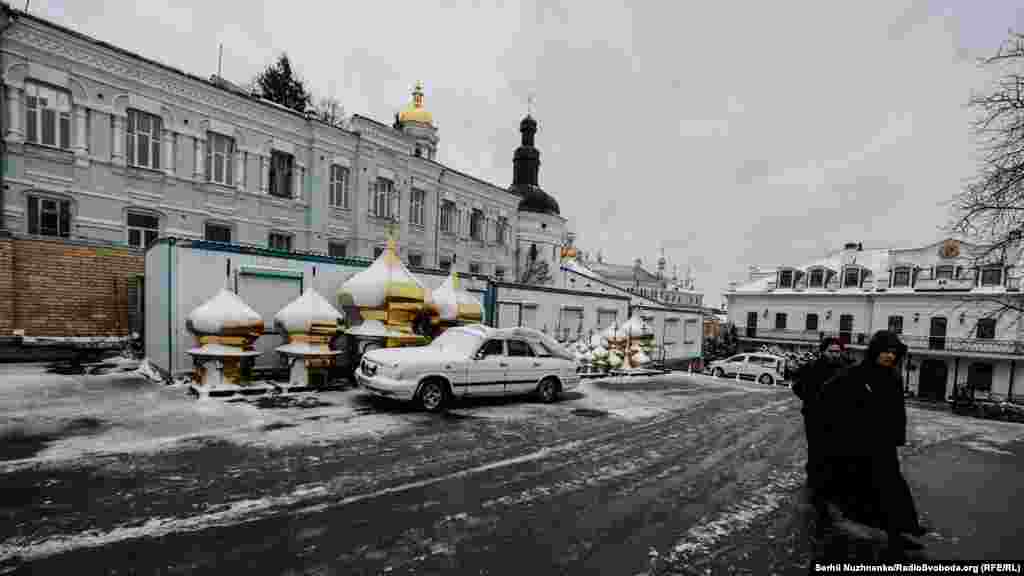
[529,104]
[227,274]
[220,58]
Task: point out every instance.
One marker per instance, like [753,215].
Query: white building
[950,301]
[103,144]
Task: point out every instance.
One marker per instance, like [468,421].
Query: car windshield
[457,341]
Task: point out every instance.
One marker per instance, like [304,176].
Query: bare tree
[990,209]
[330,110]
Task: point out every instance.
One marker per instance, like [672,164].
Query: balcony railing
[949,344]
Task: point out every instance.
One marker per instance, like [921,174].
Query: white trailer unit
[182,274]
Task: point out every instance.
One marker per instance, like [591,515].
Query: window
[416,260]
[339,186]
[499,230]
[499,273]
[991,277]
[979,376]
[47,116]
[780,321]
[417,207]
[519,348]
[492,348]
[337,249]
[448,216]
[944,273]
[987,328]
[281,166]
[811,324]
[217,233]
[380,200]
[817,279]
[474,268]
[476,225]
[280,241]
[852,278]
[689,329]
[786,279]
[896,324]
[49,216]
[143,229]
[220,153]
[377,251]
[143,146]
[846,328]
[445,263]
[901,277]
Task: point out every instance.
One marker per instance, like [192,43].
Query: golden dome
[415,112]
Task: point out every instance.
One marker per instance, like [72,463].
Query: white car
[475,361]
[767,369]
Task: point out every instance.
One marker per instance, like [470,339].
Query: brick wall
[66,288]
[6,284]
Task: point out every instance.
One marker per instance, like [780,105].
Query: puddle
[278,426]
[270,402]
[18,444]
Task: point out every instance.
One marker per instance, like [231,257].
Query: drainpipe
[1013,371]
[437,221]
[9,14]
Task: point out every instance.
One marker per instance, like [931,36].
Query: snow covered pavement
[119,473]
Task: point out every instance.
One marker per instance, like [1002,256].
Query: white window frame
[281,176]
[476,224]
[58,103]
[448,216]
[290,242]
[445,263]
[40,198]
[688,334]
[897,270]
[418,255]
[137,139]
[810,278]
[228,227]
[981,279]
[417,206]
[501,225]
[792,278]
[225,157]
[381,198]
[476,265]
[846,276]
[339,178]
[143,231]
[499,273]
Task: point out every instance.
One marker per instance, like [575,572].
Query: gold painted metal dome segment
[415,112]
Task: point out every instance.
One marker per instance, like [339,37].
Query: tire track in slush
[252,510]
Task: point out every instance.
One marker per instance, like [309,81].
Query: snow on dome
[305,312]
[224,313]
[454,303]
[386,278]
[377,329]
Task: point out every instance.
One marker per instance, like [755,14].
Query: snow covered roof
[877,261]
[307,349]
[304,312]
[618,272]
[387,278]
[454,303]
[223,313]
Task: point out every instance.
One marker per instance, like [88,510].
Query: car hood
[417,354]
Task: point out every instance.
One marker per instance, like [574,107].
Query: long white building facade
[103,144]
[952,302]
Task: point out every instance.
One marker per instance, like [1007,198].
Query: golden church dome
[415,112]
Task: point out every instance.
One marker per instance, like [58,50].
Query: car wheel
[548,390]
[766,379]
[433,396]
[718,373]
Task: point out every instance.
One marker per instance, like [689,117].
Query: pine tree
[279,83]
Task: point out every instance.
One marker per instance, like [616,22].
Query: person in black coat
[866,420]
[808,385]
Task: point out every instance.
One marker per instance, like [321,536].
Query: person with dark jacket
[866,420]
[808,384]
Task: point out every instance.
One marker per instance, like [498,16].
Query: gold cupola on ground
[387,294]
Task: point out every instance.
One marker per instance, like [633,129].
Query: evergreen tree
[279,83]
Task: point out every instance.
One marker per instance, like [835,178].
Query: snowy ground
[677,472]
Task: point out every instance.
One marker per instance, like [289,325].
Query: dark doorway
[979,377]
[937,334]
[932,382]
[751,324]
[846,328]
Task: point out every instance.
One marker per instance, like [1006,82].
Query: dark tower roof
[526,166]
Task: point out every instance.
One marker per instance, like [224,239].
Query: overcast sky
[730,133]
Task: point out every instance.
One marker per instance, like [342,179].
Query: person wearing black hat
[808,385]
[866,420]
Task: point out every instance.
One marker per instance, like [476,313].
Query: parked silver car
[767,369]
[474,361]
